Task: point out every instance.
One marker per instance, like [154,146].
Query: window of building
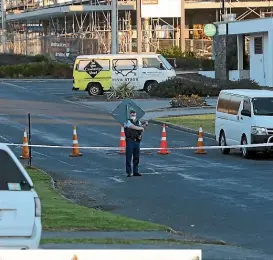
[151,63]
[258,45]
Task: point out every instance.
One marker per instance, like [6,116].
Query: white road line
[13,85]
[151,173]
[116,179]
[188,177]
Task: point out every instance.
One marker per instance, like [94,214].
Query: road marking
[151,173]
[13,85]
[116,179]
[188,177]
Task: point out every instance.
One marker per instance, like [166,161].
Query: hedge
[187,60]
[37,69]
[196,84]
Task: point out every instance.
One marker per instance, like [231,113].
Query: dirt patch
[80,192]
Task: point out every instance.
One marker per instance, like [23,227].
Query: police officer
[133,132]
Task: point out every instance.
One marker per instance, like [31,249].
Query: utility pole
[182,26]
[3,27]
[139,26]
[114,27]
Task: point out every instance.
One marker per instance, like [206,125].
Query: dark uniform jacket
[132,134]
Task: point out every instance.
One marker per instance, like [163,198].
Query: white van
[20,207]
[244,117]
[98,73]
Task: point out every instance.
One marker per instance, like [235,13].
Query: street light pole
[114,22]
[182,26]
[139,26]
[3,27]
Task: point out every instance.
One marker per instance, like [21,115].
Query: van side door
[151,70]
[246,119]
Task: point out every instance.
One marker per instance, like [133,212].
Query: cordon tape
[145,148]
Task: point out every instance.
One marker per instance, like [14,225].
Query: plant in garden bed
[122,91]
[188,101]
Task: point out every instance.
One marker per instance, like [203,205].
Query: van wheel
[94,89]
[222,142]
[149,85]
[246,153]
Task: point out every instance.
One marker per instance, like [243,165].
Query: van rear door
[17,206]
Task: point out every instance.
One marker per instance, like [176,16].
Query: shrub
[188,101]
[187,60]
[195,84]
[122,91]
[39,69]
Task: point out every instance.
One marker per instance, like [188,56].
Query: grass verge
[193,122]
[111,241]
[61,214]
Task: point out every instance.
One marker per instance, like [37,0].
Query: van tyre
[149,85]
[94,89]
[246,153]
[222,142]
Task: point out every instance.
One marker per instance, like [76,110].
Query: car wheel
[94,89]
[222,142]
[149,85]
[246,153]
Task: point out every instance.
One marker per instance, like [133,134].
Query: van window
[120,65]
[151,63]
[247,105]
[104,63]
[263,106]
[223,103]
[10,173]
[234,104]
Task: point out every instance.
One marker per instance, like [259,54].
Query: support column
[114,27]
[240,52]
[269,67]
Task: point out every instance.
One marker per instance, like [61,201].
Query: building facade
[66,28]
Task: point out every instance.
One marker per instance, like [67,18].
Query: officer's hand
[142,129]
[146,123]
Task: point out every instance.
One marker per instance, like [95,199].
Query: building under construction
[64,28]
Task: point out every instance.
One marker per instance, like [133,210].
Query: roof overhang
[248,26]
[46,13]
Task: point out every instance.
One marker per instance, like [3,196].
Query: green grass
[61,214]
[193,122]
[110,241]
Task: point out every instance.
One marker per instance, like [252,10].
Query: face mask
[133,118]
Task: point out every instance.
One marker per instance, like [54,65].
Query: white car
[244,116]
[20,207]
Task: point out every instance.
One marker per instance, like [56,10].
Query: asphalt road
[216,196]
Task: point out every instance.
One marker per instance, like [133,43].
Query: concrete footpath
[153,108]
[211,250]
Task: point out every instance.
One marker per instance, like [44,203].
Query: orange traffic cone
[75,150]
[122,142]
[163,144]
[200,142]
[25,150]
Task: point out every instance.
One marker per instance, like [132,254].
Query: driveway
[215,196]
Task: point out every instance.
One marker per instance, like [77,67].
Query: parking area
[213,195]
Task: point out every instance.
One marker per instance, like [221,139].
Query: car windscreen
[165,62]
[263,106]
[11,177]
